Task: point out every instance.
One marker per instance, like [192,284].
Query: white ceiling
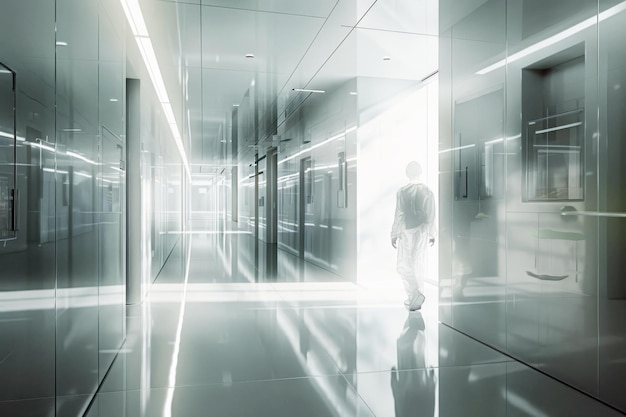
[296,43]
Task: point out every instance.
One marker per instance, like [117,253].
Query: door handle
[466,182]
[15,194]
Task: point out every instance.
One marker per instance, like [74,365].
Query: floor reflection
[413,391]
[223,335]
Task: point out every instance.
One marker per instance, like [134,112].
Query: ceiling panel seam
[325,61]
[300,62]
[392,31]
[214,6]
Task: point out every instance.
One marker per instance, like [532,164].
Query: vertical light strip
[137,24]
[171,384]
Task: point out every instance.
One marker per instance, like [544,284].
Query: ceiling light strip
[140,31]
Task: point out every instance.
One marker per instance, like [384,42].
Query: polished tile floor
[223,334]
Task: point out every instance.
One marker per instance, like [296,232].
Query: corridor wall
[62,273]
[531,208]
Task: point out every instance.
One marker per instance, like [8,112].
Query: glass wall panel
[551,155]
[27,263]
[472,169]
[561,158]
[77,121]
[611,202]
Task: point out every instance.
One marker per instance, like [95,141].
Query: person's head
[413,170]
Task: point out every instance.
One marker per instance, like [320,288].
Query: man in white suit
[413,229]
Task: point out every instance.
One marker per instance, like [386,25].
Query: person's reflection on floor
[413,386]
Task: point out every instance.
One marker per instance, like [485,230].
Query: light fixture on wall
[308,90]
[61,43]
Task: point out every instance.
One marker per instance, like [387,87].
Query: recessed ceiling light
[386,58]
[249,55]
[307,90]
[235,105]
[353,93]
[61,43]
[113,100]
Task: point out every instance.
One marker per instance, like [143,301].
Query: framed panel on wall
[9,197]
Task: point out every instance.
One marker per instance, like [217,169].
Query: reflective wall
[339,140]
[317,181]
[530,203]
[62,239]
[300,182]
[63,276]
[28,267]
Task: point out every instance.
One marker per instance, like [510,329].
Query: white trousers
[412,246]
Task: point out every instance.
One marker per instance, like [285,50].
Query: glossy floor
[222,334]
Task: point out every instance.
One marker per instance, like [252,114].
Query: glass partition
[8,140]
[554,157]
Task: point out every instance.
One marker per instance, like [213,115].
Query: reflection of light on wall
[15,301]
[57,171]
[521,403]
[82,158]
[492,142]
[146,321]
[333,138]
[286,178]
[146,224]
[554,39]
[458,148]
[85,175]
[41,146]
[10,136]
